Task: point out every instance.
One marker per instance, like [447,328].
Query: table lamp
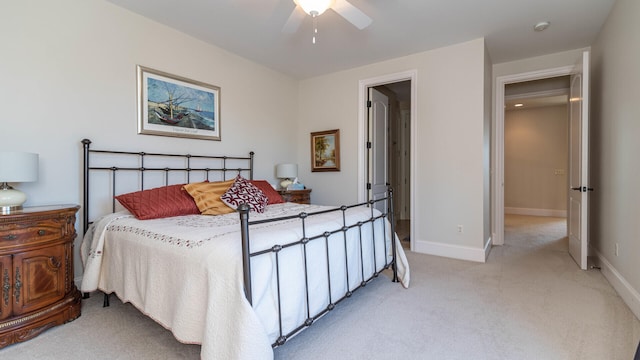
[15,167]
[286,172]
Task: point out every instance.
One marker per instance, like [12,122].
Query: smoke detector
[541,26]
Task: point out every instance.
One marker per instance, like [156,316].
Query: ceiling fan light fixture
[314,7]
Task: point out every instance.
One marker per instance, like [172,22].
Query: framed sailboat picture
[170,105]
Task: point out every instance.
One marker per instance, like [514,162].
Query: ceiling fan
[315,8]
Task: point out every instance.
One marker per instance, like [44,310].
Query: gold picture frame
[170,105]
[325,150]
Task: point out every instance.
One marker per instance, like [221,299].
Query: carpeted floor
[529,301]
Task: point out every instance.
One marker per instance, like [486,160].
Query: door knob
[582,189]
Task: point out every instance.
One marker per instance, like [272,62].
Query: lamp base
[11,199]
[6,210]
[285,183]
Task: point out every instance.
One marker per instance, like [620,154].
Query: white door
[377,147]
[578,161]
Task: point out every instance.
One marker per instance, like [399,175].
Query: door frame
[497,183]
[363,111]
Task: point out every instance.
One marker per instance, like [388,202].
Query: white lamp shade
[18,166]
[286,171]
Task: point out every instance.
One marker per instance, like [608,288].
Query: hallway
[536,232]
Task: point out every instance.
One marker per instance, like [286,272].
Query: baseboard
[629,295]
[487,248]
[535,212]
[453,251]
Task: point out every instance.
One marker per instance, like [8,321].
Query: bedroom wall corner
[614,171]
[449,173]
[70,73]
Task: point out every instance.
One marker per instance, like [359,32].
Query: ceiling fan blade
[352,14]
[294,21]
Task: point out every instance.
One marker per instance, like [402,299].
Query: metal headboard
[120,161]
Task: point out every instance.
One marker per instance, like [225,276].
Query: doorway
[577,217]
[536,160]
[396,143]
[498,208]
[578,154]
[393,167]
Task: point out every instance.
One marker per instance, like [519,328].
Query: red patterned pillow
[272,195]
[159,202]
[242,191]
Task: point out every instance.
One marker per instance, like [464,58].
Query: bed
[240,283]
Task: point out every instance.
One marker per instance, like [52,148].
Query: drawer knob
[54,261]
[10,237]
[41,232]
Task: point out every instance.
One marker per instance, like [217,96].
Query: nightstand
[296,196]
[37,291]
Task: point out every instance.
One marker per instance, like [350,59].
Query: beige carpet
[529,301]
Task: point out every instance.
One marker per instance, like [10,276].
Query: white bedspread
[186,273]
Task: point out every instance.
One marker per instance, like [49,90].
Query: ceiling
[253,29]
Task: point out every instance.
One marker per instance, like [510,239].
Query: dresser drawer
[19,233]
[296,196]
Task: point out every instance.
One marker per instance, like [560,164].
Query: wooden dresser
[37,290]
[296,196]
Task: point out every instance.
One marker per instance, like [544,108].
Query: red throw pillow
[159,202]
[268,190]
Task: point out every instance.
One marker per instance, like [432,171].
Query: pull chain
[315,27]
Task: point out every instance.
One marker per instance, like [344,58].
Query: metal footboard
[305,240]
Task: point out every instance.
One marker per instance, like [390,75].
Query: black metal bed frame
[246,224]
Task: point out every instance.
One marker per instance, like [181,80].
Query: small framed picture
[325,150]
[170,105]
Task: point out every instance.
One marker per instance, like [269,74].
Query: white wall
[69,72]
[614,131]
[535,147]
[450,140]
